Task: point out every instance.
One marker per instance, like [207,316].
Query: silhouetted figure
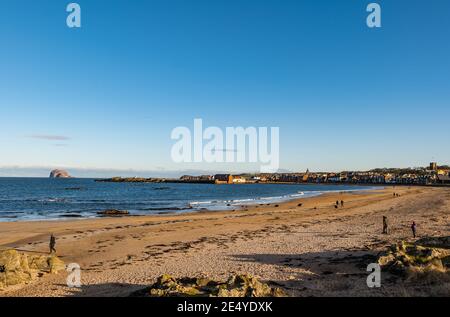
[385,225]
[413,228]
[342,203]
[52,244]
[336,206]
[337,203]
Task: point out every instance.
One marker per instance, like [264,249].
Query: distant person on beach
[52,244]
[385,225]
[337,203]
[342,203]
[413,228]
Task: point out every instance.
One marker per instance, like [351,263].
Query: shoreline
[214,205]
[122,255]
[239,207]
[307,201]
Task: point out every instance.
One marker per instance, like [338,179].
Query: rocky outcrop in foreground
[236,286]
[424,256]
[18,268]
[59,174]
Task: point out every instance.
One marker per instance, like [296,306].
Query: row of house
[412,176]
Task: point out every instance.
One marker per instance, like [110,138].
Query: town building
[223,179]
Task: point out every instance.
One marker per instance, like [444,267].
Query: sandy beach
[308,250]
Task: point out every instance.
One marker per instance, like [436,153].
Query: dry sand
[312,250]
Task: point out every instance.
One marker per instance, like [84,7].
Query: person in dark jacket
[385,225]
[413,229]
[52,243]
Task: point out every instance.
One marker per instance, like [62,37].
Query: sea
[51,199]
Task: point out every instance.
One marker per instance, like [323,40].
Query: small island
[57,173]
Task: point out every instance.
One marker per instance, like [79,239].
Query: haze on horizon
[104,99]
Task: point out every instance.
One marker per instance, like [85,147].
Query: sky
[103,99]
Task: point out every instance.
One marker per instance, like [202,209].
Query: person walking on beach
[413,228]
[342,203]
[52,244]
[385,225]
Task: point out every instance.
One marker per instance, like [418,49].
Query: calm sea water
[45,198]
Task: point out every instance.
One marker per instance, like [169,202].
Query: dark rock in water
[113,212]
[236,286]
[73,188]
[70,216]
[161,188]
[59,174]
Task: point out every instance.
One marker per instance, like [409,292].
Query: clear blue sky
[109,94]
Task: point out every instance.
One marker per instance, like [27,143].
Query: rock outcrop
[59,174]
[113,212]
[236,286]
[425,255]
[18,268]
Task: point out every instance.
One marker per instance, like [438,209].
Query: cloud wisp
[49,137]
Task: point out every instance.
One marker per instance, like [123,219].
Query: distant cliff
[59,174]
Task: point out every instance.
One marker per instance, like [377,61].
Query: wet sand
[308,250]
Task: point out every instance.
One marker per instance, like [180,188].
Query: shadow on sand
[342,273]
[105,290]
[330,273]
